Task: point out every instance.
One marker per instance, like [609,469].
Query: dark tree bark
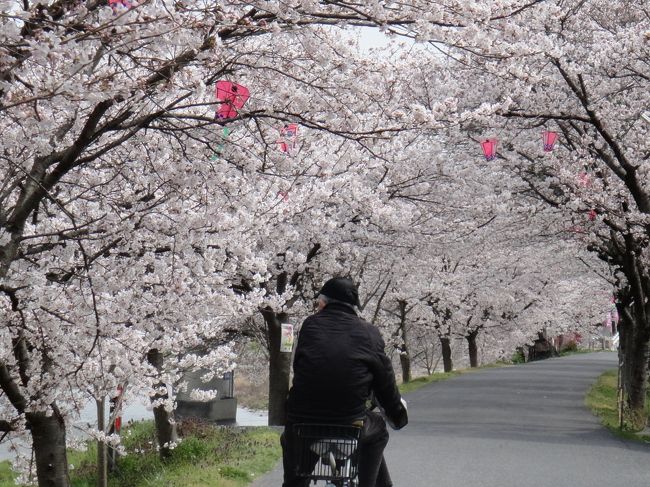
[634,347]
[636,336]
[48,440]
[638,385]
[405,362]
[279,368]
[446,354]
[443,331]
[165,426]
[542,348]
[473,348]
[404,352]
[47,430]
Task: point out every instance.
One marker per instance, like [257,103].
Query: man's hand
[399,418]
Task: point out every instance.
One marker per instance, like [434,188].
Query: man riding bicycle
[339,363]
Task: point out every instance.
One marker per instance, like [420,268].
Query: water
[248,417]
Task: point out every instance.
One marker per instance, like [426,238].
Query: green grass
[207,456]
[6,475]
[602,400]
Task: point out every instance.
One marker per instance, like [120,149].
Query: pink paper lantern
[288,137]
[549,139]
[116,5]
[232,97]
[489,148]
[290,131]
[584,179]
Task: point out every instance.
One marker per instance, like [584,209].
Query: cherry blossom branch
[11,390]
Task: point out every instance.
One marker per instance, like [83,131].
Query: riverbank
[207,455]
[138,411]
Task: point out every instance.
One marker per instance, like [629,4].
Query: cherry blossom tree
[577,69]
[135,225]
[118,206]
[484,247]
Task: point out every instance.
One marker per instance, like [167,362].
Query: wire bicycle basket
[327,452]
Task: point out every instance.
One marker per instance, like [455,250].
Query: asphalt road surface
[519,426]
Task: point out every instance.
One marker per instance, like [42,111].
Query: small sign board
[286,340]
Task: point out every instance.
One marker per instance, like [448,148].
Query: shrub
[571,346]
[518,357]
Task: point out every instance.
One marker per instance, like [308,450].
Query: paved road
[520,426]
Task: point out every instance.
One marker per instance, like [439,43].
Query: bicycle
[328,452]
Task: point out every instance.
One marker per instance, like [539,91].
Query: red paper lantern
[489,148]
[232,97]
[549,139]
[592,215]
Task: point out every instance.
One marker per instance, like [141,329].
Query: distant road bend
[520,426]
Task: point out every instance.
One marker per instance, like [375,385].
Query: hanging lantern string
[489,145]
[263,122]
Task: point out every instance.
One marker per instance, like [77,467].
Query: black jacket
[339,360]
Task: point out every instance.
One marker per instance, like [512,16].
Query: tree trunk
[48,440]
[102,470]
[637,380]
[626,344]
[473,349]
[47,429]
[279,368]
[405,361]
[164,420]
[542,348]
[637,389]
[446,354]
[635,322]
[404,354]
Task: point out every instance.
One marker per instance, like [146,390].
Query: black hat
[341,289]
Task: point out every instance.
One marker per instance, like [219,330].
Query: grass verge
[577,351]
[602,400]
[207,456]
